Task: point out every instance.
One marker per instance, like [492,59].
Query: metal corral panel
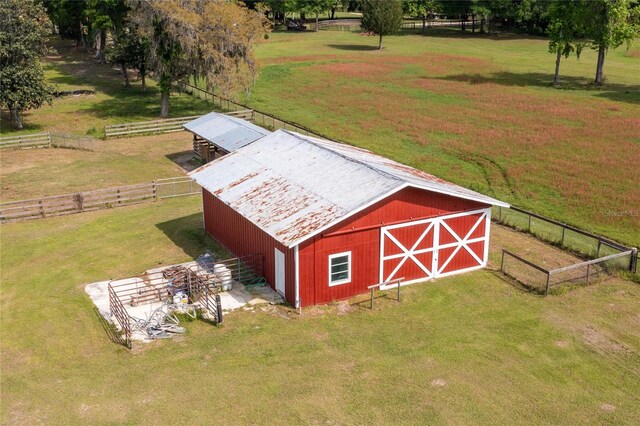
[229,133]
[293,186]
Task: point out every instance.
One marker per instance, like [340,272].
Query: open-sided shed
[331,219]
[215,134]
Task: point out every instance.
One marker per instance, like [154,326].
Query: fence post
[399,281]
[118,196]
[502,263]
[562,241]
[49,137]
[42,208]
[588,268]
[546,291]
[154,189]
[599,247]
[499,213]
[633,264]
[529,223]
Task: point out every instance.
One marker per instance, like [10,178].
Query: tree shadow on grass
[353,47]
[188,233]
[7,126]
[612,91]
[456,32]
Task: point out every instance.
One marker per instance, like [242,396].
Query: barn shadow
[185,160]
[612,91]
[187,232]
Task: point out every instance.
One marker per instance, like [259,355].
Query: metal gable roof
[229,133]
[294,186]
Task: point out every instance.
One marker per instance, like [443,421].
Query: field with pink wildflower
[477,110]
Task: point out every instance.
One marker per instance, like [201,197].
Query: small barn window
[339,268]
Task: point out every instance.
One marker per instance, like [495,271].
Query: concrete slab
[238,297]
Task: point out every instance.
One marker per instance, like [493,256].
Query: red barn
[331,219]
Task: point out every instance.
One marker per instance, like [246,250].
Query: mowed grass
[476,110]
[34,173]
[462,350]
[73,69]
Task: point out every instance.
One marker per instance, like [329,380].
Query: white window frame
[344,280]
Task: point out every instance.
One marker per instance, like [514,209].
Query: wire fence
[542,280]
[557,233]
[260,118]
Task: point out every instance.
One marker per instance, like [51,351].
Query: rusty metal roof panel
[294,186]
[229,133]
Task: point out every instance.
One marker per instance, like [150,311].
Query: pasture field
[476,110]
[459,350]
[33,173]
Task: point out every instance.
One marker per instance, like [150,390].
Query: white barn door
[279,271]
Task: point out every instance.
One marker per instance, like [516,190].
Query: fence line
[575,273]
[166,125]
[58,205]
[410,24]
[46,140]
[261,118]
[557,233]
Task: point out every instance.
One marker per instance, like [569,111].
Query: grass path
[465,349]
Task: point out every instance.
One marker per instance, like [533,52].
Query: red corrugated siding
[243,238]
[407,205]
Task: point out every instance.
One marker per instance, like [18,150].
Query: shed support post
[399,290]
[371,305]
[633,263]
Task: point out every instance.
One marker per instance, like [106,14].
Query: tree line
[211,41]
[206,41]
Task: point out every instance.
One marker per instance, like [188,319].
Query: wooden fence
[168,125]
[58,205]
[46,140]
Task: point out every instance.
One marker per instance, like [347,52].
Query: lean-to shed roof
[294,186]
[229,133]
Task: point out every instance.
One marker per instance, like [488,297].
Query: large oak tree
[208,40]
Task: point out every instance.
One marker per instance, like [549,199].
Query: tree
[211,39]
[104,16]
[24,27]
[421,8]
[566,28]
[381,17]
[315,7]
[129,51]
[611,23]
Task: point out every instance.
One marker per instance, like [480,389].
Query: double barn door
[424,249]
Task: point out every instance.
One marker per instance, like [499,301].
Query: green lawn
[73,69]
[34,173]
[462,350]
[476,110]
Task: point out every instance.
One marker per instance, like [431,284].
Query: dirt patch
[599,341]
[438,383]
[562,344]
[608,407]
[186,161]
